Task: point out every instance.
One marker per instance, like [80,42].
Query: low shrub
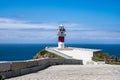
[2,77]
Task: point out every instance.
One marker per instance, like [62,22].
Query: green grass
[43,54]
[2,77]
[100,56]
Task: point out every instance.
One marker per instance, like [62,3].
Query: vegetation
[100,56]
[45,54]
[113,60]
[2,77]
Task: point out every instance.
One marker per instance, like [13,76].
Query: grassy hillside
[45,54]
[100,56]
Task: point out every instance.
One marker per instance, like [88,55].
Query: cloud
[93,37]
[7,20]
[17,31]
[6,23]
[15,24]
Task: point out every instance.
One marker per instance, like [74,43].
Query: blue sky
[36,21]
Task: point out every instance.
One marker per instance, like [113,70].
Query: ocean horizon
[16,52]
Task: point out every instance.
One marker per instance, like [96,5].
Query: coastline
[13,52]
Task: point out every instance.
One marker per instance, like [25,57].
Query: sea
[17,52]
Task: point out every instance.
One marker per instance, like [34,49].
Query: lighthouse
[85,55]
[61,34]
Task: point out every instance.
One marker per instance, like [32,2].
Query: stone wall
[17,68]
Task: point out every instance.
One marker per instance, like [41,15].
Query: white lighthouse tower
[61,34]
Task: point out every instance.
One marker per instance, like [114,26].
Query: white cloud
[7,20]
[93,37]
[6,23]
[16,24]
[16,31]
